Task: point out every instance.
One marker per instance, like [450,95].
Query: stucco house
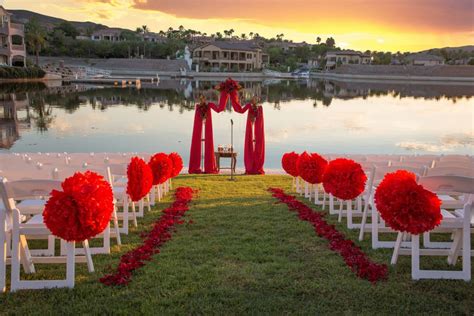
[12,41]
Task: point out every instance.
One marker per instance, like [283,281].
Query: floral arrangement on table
[83,208]
[228,86]
[162,168]
[405,205]
[140,179]
[344,178]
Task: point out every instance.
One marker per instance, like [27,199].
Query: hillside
[466,48]
[23,16]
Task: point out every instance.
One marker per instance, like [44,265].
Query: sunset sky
[405,25]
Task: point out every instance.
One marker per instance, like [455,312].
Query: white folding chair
[377,225]
[22,229]
[116,172]
[458,223]
[64,172]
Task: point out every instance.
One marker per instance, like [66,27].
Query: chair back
[450,171]
[454,164]
[380,172]
[26,189]
[448,184]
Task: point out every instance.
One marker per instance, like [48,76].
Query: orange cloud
[420,15]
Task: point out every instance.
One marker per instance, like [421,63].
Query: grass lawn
[243,254]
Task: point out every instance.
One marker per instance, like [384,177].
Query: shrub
[21,72]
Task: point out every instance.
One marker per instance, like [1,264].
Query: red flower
[228,86]
[161,166]
[253,112]
[344,179]
[311,167]
[177,164]
[353,256]
[289,163]
[140,179]
[203,108]
[405,205]
[153,240]
[82,210]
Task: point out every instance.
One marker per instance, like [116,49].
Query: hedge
[21,72]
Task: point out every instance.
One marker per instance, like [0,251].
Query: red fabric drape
[254,146]
[195,153]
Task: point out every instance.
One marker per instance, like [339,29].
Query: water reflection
[44,114]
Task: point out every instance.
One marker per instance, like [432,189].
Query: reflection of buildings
[12,122]
[345,57]
[12,43]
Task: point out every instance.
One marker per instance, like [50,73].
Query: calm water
[322,116]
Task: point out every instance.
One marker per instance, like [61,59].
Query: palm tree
[35,37]
[243,36]
[145,29]
[231,31]
[318,40]
[251,34]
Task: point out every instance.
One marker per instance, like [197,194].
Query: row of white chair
[458,190]
[24,198]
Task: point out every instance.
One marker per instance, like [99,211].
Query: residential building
[153,37]
[424,60]
[344,57]
[229,56]
[109,34]
[12,41]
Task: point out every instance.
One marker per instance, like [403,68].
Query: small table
[231,155]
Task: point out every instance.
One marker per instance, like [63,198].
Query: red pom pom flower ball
[344,178]
[161,166]
[82,210]
[311,167]
[289,163]
[177,162]
[405,205]
[140,179]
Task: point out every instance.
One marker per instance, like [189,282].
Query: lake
[314,115]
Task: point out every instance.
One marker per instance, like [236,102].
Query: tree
[68,29]
[35,37]
[318,40]
[330,42]
[243,36]
[145,29]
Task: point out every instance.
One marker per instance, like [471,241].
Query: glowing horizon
[401,25]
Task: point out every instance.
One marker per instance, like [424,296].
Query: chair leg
[415,257]
[134,215]
[25,257]
[364,221]
[116,226]
[455,248]
[71,263]
[87,253]
[396,249]
[466,245]
[3,251]
[324,200]
[339,219]
[15,254]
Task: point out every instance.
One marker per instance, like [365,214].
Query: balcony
[17,26]
[20,48]
[4,29]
